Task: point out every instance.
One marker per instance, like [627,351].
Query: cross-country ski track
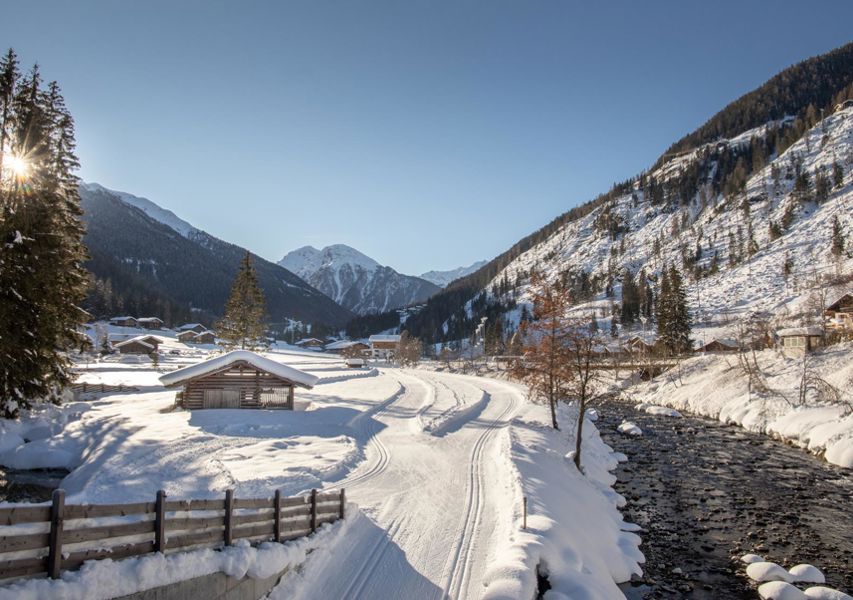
[434,503]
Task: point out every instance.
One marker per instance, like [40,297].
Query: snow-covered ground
[438,463]
[714,386]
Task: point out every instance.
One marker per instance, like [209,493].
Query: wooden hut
[124,322]
[310,343]
[194,327]
[137,345]
[187,336]
[839,314]
[800,339]
[238,379]
[718,345]
[347,347]
[205,337]
[150,323]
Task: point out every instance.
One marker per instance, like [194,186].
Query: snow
[661,411]
[256,360]
[104,579]
[751,558]
[443,278]
[824,593]
[383,338]
[767,571]
[629,428]
[805,573]
[779,590]
[714,386]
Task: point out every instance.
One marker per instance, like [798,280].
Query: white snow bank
[629,428]
[714,386]
[767,571]
[806,573]
[256,360]
[779,590]
[661,411]
[819,592]
[103,579]
[575,531]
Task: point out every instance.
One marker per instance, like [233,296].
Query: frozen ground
[438,464]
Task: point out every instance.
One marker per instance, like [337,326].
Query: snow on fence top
[218,363]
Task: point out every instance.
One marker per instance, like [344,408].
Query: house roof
[122,318]
[186,326]
[149,319]
[384,338]
[342,345]
[835,304]
[261,363]
[308,341]
[795,331]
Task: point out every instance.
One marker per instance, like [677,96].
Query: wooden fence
[39,540]
[100,388]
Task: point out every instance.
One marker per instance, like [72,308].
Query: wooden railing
[38,540]
[100,388]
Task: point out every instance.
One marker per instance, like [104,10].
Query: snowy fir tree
[41,275]
[838,238]
[243,322]
[673,316]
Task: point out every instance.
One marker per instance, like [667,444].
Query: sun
[18,165]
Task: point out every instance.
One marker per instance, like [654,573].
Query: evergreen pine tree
[838,238]
[837,174]
[243,322]
[41,249]
[673,316]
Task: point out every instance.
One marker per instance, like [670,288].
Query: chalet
[640,345]
[138,345]
[717,345]
[238,379]
[384,347]
[839,314]
[194,327]
[150,323]
[347,346]
[124,322]
[205,337]
[187,336]
[312,343]
[800,339]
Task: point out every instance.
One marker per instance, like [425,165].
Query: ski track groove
[369,566]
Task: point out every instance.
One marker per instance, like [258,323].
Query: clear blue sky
[426,134]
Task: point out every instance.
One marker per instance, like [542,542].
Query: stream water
[706,493]
[35,485]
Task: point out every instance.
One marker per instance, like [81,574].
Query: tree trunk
[581,412]
[553,403]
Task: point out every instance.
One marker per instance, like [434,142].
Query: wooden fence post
[277,510]
[313,510]
[229,515]
[524,526]
[57,519]
[160,522]
[343,502]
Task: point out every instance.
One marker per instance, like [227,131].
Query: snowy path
[431,509]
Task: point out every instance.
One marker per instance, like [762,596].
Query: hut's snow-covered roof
[342,345]
[797,331]
[137,340]
[261,363]
[384,338]
[187,326]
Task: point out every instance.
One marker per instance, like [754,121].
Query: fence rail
[100,388]
[46,540]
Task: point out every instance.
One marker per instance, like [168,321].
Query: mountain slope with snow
[355,280]
[442,278]
[156,264]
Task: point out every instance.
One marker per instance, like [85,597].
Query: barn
[138,345]
[238,379]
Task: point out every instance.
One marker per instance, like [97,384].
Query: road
[435,497]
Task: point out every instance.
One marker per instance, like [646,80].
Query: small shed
[718,345]
[150,323]
[187,336]
[238,379]
[312,343]
[347,346]
[205,337]
[194,327]
[800,339]
[135,345]
[124,322]
[384,346]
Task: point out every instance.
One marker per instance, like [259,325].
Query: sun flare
[18,165]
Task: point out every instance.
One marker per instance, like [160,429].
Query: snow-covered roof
[137,340]
[147,319]
[698,343]
[186,326]
[384,338]
[794,331]
[308,341]
[341,345]
[261,363]
[122,318]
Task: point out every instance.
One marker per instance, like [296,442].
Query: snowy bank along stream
[706,493]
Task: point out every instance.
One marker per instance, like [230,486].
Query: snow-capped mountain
[442,278]
[167,217]
[356,281]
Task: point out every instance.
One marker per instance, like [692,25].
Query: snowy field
[438,465]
